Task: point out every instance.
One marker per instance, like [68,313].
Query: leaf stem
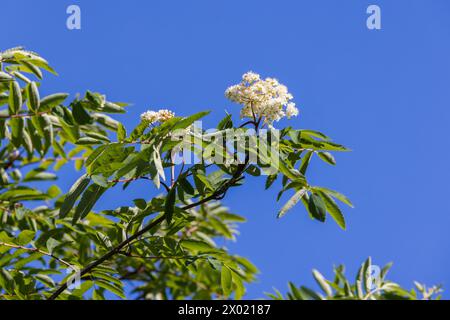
[35,250]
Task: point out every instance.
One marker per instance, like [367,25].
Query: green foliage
[164,246]
[368,285]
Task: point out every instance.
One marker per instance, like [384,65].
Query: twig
[35,250]
[23,115]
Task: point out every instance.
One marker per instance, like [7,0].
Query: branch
[34,250]
[154,223]
[109,254]
[137,178]
[218,194]
[154,257]
[51,160]
[23,115]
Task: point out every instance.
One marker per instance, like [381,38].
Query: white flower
[251,77]
[291,110]
[151,117]
[266,99]
[165,115]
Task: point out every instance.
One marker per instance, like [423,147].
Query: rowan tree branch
[218,194]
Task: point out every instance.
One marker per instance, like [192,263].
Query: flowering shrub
[55,245]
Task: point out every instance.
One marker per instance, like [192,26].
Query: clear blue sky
[385,94]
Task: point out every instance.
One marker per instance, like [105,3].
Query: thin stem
[23,115]
[51,159]
[35,250]
[154,257]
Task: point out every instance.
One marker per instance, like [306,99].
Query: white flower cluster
[267,98]
[151,117]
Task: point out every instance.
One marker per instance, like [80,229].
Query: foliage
[367,286]
[165,246]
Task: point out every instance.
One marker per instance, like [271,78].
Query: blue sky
[385,94]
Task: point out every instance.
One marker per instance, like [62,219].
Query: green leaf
[59,149]
[27,143]
[366,277]
[25,237]
[98,136]
[106,121]
[4,77]
[4,98]
[253,171]
[158,164]
[225,123]
[7,281]
[290,173]
[186,122]
[96,99]
[27,66]
[292,202]
[305,162]
[313,133]
[309,143]
[121,133]
[51,101]
[39,175]
[87,202]
[80,115]
[195,245]
[327,157]
[110,107]
[169,207]
[322,283]
[23,194]
[54,191]
[44,128]
[15,98]
[186,186]
[226,280]
[334,194]
[88,141]
[140,203]
[100,180]
[73,194]
[305,291]
[16,131]
[36,140]
[33,99]
[97,295]
[333,210]
[118,291]
[51,244]
[317,207]
[270,180]
[95,155]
